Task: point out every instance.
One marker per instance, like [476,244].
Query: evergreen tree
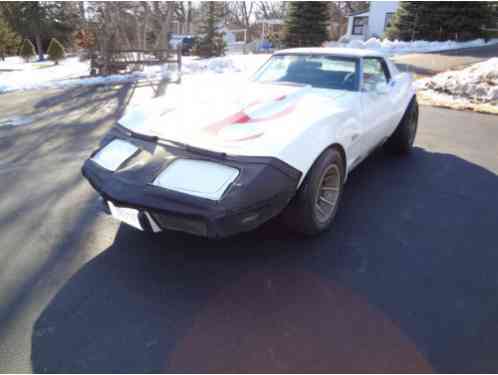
[41,20]
[55,51]
[27,50]
[306,24]
[211,42]
[440,20]
[9,40]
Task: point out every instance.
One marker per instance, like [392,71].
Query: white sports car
[283,144]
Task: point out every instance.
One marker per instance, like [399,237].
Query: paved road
[405,281]
[427,64]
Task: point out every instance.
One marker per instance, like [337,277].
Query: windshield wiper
[143,137]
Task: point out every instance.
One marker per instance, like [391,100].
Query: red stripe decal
[243,118]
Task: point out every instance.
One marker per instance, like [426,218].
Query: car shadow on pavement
[405,281]
[69,121]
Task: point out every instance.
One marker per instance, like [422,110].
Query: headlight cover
[114,154]
[200,178]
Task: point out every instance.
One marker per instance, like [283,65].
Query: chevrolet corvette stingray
[281,144]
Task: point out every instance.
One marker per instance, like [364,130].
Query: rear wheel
[314,207]
[401,141]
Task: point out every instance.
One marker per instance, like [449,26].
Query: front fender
[342,128]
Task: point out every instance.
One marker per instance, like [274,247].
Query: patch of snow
[27,76]
[373,43]
[434,98]
[15,121]
[15,74]
[355,44]
[226,64]
[397,47]
[478,82]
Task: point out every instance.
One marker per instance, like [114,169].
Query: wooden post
[93,65]
[179,61]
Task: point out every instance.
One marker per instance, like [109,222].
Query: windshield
[321,71]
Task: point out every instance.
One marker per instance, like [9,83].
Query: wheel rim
[328,193]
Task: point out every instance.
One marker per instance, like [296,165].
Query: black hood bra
[264,186]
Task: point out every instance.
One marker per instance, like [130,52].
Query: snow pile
[478,82]
[18,75]
[475,87]
[226,64]
[398,47]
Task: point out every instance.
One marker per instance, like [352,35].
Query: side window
[375,71]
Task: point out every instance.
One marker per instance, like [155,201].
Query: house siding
[377,19]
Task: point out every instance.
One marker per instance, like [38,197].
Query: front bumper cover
[262,189]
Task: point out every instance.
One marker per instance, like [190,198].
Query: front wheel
[401,141]
[314,207]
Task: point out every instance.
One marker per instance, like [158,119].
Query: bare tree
[183,14]
[240,13]
[81,6]
[271,9]
[164,14]
[130,25]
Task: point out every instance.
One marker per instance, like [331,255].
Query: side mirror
[382,88]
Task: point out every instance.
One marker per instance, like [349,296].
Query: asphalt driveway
[405,281]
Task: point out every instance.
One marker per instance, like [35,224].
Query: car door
[376,102]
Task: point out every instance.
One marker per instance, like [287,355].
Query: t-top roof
[333,51]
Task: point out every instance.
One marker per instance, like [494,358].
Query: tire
[401,141]
[302,215]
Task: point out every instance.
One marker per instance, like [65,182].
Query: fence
[119,61]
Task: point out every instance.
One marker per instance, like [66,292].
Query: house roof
[364,12]
[272,21]
[343,52]
[232,27]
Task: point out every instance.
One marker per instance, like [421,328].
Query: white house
[372,23]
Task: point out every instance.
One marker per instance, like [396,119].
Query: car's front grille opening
[181,223]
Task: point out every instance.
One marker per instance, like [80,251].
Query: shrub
[9,40]
[27,50]
[55,51]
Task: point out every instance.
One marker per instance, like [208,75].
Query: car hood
[251,120]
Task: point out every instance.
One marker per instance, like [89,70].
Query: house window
[389,17]
[240,36]
[359,25]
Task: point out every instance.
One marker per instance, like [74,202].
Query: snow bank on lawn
[226,64]
[18,75]
[397,47]
[433,98]
[478,82]
[15,74]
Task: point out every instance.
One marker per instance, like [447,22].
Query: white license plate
[126,215]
